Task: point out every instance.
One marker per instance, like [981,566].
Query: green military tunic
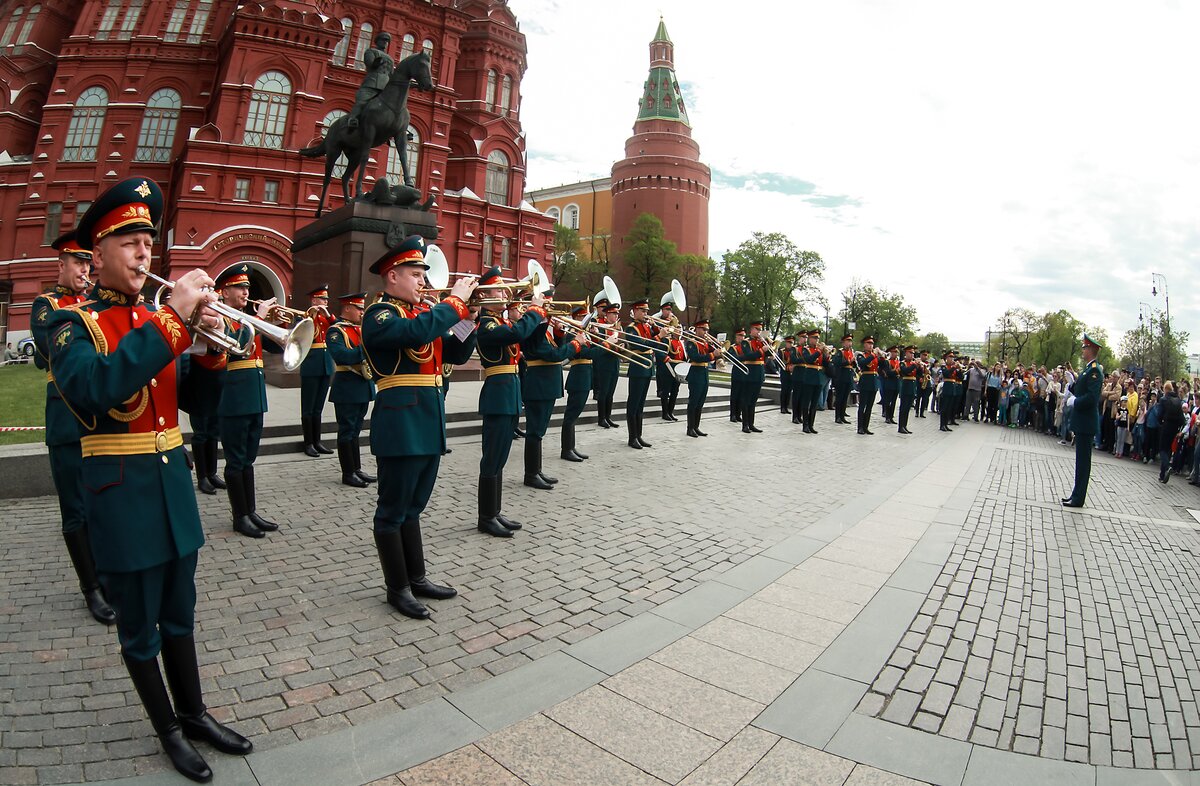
[500,395]
[352,389]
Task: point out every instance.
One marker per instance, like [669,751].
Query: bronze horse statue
[384,119]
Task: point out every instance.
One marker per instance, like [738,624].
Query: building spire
[661,98]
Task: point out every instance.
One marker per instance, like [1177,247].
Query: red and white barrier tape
[22,428]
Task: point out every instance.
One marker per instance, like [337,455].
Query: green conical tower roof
[661,98]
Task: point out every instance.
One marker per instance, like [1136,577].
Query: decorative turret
[661,99]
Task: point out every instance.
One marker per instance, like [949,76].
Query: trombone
[600,340]
[295,342]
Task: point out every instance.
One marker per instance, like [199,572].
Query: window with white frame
[427,48]
[157,136]
[505,95]
[10,30]
[53,223]
[487,251]
[199,21]
[413,153]
[129,24]
[108,20]
[241,188]
[11,36]
[339,168]
[553,213]
[489,98]
[505,253]
[343,46]
[271,192]
[175,21]
[572,216]
[408,45]
[267,118]
[364,43]
[87,119]
[497,178]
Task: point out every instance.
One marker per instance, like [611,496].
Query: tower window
[489,99]
[408,45]
[86,121]
[343,46]
[53,223]
[267,118]
[497,178]
[158,127]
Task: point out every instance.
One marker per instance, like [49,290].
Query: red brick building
[212,98]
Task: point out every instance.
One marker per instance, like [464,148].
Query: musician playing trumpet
[352,389]
[316,372]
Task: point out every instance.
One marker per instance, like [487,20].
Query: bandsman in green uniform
[665,382]
[353,388]
[638,335]
[788,392]
[868,383]
[62,429]
[114,363]
[606,369]
[699,354]
[811,370]
[845,369]
[542,386]
[737,380]
[1085,419]
[513,312]
[316,373]
[243,402]
[924,383]
[889,384]
[499,351]
[910,370]
[579,384]
[753,353]
[951,389]
[406,342]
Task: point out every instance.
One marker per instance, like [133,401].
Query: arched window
[339,168]
[108,20]
[572,216]
[490,97]
[364,43]
[487,251]
[87,120]
[267,119]
[505,94]
[408,45]
[505,260]
[10,30]
[30,18]
[413,151]
[497,178]
[553,213]
[158,127]
[129,24]
[343,46]
[427,48]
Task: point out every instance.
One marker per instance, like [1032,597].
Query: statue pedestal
[339,248]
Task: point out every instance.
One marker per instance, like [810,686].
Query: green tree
[1057,340]
[1152,347]
[767,277]
[875,312]
[566,252]
[935,342]
[698,275]
[650,257]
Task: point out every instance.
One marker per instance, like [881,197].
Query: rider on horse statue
[379,65]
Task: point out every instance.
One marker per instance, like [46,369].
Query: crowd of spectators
[1140,419]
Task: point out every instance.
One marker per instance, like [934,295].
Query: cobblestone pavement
[1071,636]
[296,640]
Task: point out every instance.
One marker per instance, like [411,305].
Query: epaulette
[79,305]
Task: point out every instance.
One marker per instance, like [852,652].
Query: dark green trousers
[152,603]
[313,392]
[205,428]
[1083,466]
[240,435]
[638,388]
[497,441]
[697,381]
[576,401]
[66,466]
[537,417]
[350,419]
[405,486]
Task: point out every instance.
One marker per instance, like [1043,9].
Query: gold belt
[492,371]
[912,379]
[409,381]
[532,363]
[234,365]
[952,381]
[580,362]
[867,374]
[49,375]
[320,345]
[806,365]
[699,365]
[131,444]
[753,362]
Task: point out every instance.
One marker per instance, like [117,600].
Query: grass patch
[22,402]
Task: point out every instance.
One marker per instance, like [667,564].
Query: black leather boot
[306,425]
[518,432]
[489,506]
[183,677]
[567,452]
[750,413]
[414,561]
[601,418]
[532,478]
[147,679]
[356,451]
[346,460]
[691,424]
[508,523]
[316,437]
[575,450]
[390,548]
[545,478]
[634,442]
[211,455]
[608,409]
[641,422]
[699,417]
[251,507]
[80,550]
[236,489]
[200,459]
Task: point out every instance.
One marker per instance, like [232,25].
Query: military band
[352,389]
[811,372]
[889,384]
[542,386]
[737,379]
[699,354]
[788,390]
[641,339]
[752,353]
[578,385]
[868,383]
[910,370]
[665,381]
[316,374]
[606,369]
[951,391]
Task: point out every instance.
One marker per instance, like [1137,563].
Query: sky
[971,157]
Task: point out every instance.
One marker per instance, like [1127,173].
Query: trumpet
[295,342]
[280,312]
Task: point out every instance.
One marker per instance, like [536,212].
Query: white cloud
[1025,154]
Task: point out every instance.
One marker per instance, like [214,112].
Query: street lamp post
[1143,309]
[1154,278]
